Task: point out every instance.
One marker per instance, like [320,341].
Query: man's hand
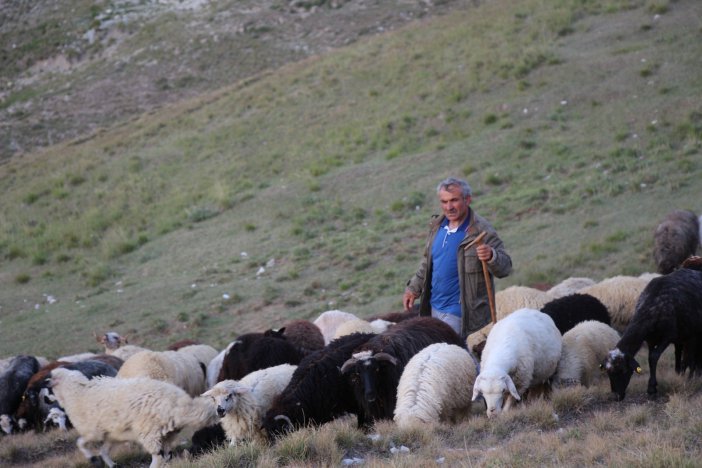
[408,299]
[484,252]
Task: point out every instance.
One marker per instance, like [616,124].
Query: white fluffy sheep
[619,294]
[436,386]
[354,326]
[519,297]
[105,410]
[181,368]
[329,321]
[521,352]
[215,365]
[241,404]
[585,346]
[569,286]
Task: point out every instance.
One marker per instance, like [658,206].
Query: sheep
[584,347]
[675,238]
[117,345]
[328,322]
[76,357]
[36,404]
[569,286]
[668,311]
[568,311]
[436,386]
[185,368]
[619,294]
[303,334]
[242,404]
[518,297]
[254,351]
[182,344]
[521,353]
[354,326]
[376,366]
[317,392]
[13,381]
[396,317]
[475,342]
[215,366]
[150,412]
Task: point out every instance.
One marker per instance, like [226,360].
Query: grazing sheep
[518,297]
[584,347]
[317,392]
[675,238]
[569,286]
[668,311]
[242,404]
[328,322]
[376,366]
[568,311]
[254,351]
[619,294]
[521,352]
[150,412]
[303,334]
[181,368]
[436,386]
[13,381]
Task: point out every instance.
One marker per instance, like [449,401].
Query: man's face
[453,203]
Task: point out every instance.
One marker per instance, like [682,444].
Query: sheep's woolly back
[436,385]
[251,397]
[329,321]
[353,326]
[519,297]
[526,345]
[585,346]
[141,410]
[203,353]
[619,294]
[76,357]
[126,351]
[176,367]
[569,286]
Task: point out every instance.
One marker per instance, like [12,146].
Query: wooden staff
[476,242]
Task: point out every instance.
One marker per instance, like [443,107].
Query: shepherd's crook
[476,242]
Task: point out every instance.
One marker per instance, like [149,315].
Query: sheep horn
[386,357]
[348,364]
[286,419]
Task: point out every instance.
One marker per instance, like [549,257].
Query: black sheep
[570,310]
[675,239]
[255,351]
[375,367]
[13,381]
[669,310]
[317,392]
[303,334]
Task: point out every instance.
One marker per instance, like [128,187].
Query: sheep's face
[494,390]
[226,396]
[620,367]
[57,417]
[6,424]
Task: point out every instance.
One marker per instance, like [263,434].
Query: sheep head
[226,395]
[620,367]
[493,389]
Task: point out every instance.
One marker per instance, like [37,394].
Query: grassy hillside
[309,187]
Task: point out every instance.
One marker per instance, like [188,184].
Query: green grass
[328,167]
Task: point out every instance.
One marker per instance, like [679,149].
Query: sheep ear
[476,390]
[512,389]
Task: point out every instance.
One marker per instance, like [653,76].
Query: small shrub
[490,119]
[23,278]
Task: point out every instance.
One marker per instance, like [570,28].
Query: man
[450,277]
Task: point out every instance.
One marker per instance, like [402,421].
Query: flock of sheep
[397,366]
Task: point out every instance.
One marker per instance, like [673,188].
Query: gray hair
[452,181]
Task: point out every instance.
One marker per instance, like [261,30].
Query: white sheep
[241,404]
[585,346]
[435,386]
[521,352]
[181,368]
[117,345]
[328,322]
[569,286]
[354,326]
[519,297]
[150,412]
[619,294]
[215,365]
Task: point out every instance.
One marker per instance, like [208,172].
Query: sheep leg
[105,454]
[156,460]
[87,453]
[653,355]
